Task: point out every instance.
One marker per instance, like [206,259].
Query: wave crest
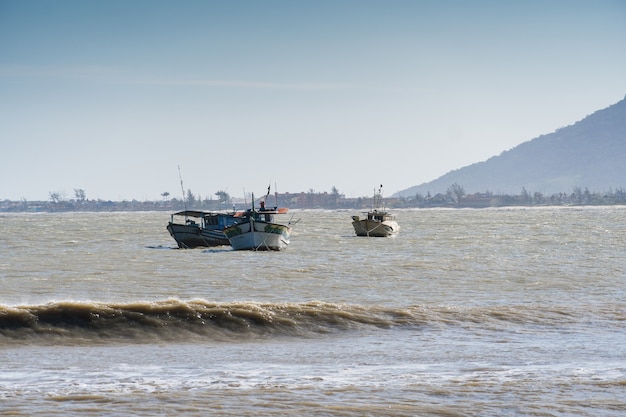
[176,320]
[172,319]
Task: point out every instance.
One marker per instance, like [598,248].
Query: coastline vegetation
[455,197]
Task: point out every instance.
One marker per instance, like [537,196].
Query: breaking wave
[176,320]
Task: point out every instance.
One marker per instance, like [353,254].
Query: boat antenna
[276,194]
[182,188]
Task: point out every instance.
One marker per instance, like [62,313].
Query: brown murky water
[465,312]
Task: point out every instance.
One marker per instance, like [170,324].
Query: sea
[488,312]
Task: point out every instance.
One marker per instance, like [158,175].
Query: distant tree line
[454,197]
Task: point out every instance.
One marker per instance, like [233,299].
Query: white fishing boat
[258,231]
[378,222]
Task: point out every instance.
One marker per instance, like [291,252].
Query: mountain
[588,154]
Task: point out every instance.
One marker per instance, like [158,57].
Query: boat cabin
[379,216]
[204,219]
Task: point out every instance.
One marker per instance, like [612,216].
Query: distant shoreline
[331,202]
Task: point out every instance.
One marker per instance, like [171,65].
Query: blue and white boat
[258,231]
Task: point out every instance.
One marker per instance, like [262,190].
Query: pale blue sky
[112,96]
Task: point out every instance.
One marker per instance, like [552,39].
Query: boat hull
[258,235]
[192,236]
[374,228]
[196,228]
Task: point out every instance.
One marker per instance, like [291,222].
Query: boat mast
[268,192]
[378,197]
[182,189]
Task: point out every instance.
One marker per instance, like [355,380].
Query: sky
[123,99]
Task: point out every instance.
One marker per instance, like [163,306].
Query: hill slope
[588,154]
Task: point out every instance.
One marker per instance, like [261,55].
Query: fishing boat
[195,228]
[378,222]
[258,231]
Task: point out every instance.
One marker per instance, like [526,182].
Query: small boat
[257,230]
[195,228]
[378,223]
